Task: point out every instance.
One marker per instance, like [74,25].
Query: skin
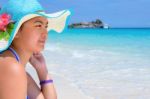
[15,82]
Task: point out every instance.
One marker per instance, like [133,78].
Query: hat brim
[56,21]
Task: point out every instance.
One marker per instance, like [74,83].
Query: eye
[39,25]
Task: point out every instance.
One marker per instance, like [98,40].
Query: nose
[44,34]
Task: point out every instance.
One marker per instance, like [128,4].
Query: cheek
[33,39]
[30,38]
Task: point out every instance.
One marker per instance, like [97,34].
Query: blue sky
[116,13]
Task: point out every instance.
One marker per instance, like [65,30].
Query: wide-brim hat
[24,10]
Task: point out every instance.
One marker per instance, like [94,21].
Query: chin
[41,48]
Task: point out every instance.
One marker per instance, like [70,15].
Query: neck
[23,55]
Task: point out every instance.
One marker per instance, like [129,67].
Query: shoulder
[11,69]
[10,65]
[12,76]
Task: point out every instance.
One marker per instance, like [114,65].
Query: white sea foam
[102,74]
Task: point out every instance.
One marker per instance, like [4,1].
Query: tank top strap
[14,53]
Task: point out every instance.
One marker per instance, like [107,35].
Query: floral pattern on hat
[6,26]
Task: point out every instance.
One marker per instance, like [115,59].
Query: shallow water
[104,63]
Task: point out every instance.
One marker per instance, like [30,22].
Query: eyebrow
[38,21]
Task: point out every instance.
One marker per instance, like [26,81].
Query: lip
[42,41]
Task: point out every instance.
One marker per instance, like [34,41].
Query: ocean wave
[97,71]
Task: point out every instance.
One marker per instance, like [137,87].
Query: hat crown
[18,8]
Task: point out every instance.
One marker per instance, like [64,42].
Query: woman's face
[33,34]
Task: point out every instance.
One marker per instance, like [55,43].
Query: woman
[24,30]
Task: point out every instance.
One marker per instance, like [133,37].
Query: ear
[17,34]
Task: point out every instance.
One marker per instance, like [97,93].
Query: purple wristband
[46,81]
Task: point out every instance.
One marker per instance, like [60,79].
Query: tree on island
[98,21]
[93,24]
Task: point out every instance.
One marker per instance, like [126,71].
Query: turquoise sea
[103,63]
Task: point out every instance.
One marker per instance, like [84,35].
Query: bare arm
[13,82]
[48,89]
[34,92]
[38,62]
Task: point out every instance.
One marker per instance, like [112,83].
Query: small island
[94,24]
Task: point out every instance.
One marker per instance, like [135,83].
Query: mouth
[42,41]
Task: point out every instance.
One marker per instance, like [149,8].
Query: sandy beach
[63,87]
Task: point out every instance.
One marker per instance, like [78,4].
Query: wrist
[43,82]
[44,77]
[42,74]
[41,69]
